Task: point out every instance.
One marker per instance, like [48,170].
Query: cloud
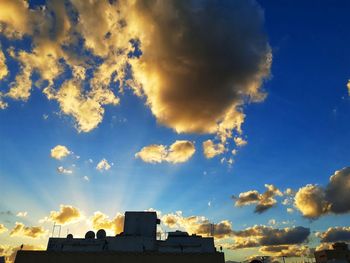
[21,230]
[67,214]
[197,80]
[103,165]
[260,235]
[197,225]
[211,149]
[102,221]
[22,214]
[10,251]
[324,246]
[86,109]
[2,228]
[263,201]
[63,170]
[178,152]
[314,201]
[287,251]
[3,67]
[190,71]
[239,141]
[7,213]
[310,200]
[59,152]
[335,234]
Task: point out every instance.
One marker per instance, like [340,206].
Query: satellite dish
[90,235]
[101,234]
[69,236]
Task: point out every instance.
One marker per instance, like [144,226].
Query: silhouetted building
[2,259]
[339,253]
[137,243]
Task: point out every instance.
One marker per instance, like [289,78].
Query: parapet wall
[112,257]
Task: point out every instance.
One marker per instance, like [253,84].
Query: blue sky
[297,135]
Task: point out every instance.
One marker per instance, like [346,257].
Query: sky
[233,113]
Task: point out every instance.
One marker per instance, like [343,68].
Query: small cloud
[272,222]
[103,165]
[59,152]
[100,220]
[263,201]
[211,149]
[63,170]
[22,214]
[178,152]
[2,228]
[45,116]
[239,141]
[21,230]
[67,214]
[290,210]
[209,203]
[86,178]
[7,213]
[197,224]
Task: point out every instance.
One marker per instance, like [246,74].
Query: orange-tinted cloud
[195,80]
[10,251]
[21,230]
[67,214]
[314,201]
[102,221]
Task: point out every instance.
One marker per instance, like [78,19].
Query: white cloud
[63,170]
[22,214]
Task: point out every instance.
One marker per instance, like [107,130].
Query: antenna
[212,229]
[53,229]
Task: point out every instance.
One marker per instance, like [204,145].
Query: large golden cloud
[198,64]
[314,201]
